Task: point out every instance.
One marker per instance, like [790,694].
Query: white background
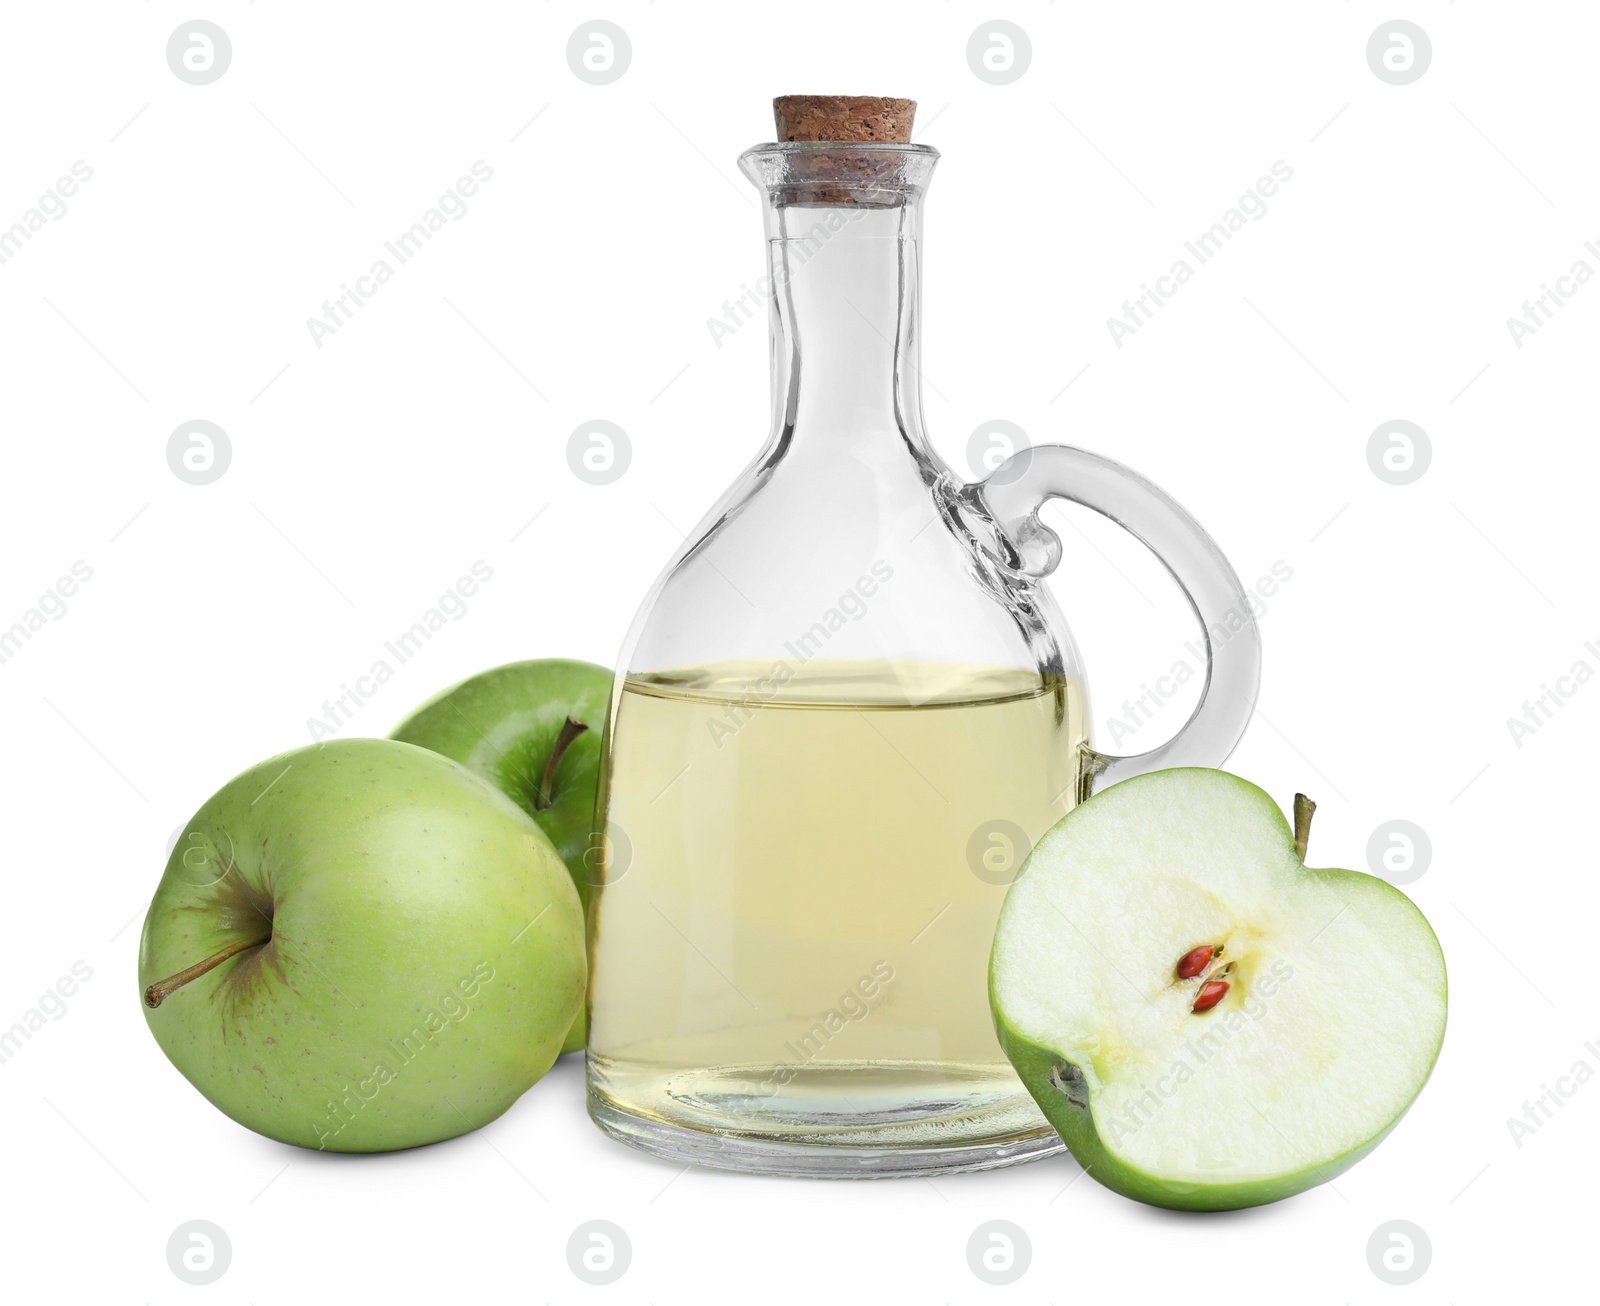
[370,472]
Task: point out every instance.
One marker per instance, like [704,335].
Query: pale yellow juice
[807,865]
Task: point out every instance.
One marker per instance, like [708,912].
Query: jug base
[812,1154]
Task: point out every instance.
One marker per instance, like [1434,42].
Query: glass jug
[842,716]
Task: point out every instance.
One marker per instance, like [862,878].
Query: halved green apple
[1206,1021]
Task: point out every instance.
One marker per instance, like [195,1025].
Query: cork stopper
[864,118]
[855,176]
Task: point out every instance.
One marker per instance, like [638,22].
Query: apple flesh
[361,946]
[1206,1021]
[533,730]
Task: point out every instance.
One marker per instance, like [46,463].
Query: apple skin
[502,724]
[1034,1063]
[427,952]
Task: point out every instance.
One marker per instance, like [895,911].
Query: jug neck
[844,258]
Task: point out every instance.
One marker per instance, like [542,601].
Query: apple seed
[1211,993]
[1195,960]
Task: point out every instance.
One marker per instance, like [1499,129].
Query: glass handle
[1020,486]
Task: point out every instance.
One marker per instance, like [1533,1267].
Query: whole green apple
[360,946]
[1207,1022]
[533,730]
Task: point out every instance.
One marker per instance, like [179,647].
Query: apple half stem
[1303,808]
[570,730]
[161,990]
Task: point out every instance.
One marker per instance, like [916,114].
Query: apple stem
[1303,808]
[570,730]
[160,991]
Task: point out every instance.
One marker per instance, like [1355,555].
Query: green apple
[1207,1022]
[360,946]
[532,729]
